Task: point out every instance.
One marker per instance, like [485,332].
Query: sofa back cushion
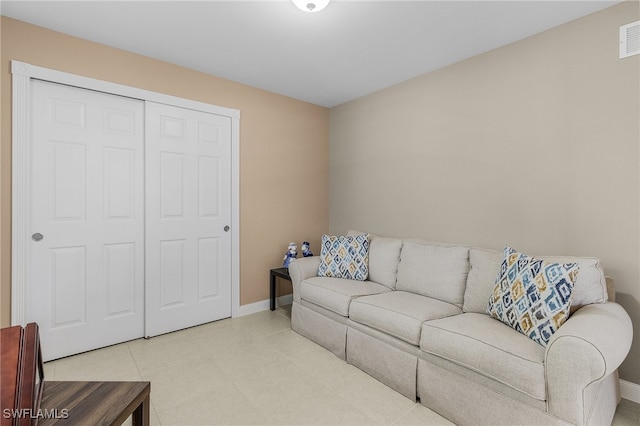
[437,271]
[590,286]
[484,266]
[384,256]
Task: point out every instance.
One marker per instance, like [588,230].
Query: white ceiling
[350,49]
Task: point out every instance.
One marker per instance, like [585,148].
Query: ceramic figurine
[291,254]
[305,249]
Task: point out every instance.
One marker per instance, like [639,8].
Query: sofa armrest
[300,270]
[587,348]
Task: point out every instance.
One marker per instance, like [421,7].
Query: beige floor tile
[114,363]
[289,342]
[221,406]
[286,395]
[165,351]
[279,373]
[627,414]
[245,356]
[277,387]
[49,370]
[153,418]
[421,415]
[319,408]
[324,366]
[260,325]
[220,334]
[217,336]
[178,383]
[284,310]
[370,396]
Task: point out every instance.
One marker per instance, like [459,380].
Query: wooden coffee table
[95,403]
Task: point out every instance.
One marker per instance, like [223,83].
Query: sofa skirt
[467,402]
[603,397]
[385,362]
[318,327]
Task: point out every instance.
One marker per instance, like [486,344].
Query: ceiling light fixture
[311,5]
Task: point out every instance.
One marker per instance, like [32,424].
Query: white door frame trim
[22,74]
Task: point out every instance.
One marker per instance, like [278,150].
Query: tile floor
[254,370]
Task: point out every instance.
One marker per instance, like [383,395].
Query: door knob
[37,237]
[226,228]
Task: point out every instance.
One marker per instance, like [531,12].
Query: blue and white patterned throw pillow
[345,257]
[531,295]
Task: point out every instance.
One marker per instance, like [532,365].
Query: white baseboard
[263,305]
[630,391]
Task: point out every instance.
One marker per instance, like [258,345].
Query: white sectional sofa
[419,324]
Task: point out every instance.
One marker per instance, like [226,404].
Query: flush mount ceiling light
[311,5]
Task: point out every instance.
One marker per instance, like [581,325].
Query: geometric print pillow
[344,257]
[531,295]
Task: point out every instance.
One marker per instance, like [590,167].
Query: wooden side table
[277,273]
[95,403]
[21,373]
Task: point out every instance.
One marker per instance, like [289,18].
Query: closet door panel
[85,276]
[188,200]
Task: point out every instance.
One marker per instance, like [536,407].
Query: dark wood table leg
[272,291]
[140,416]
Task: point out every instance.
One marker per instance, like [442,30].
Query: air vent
[630,39]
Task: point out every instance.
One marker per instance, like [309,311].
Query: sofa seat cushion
[489,347]
[335,294]
[399,313]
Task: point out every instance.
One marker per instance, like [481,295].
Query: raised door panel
[120,277]
[119,184]
[69,285]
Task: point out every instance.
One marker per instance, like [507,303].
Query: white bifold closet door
[188,243]
[129,206]
[85,281]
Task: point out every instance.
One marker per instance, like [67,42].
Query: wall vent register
[630,39]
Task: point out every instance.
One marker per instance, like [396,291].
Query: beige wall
[283,147]
[535,145]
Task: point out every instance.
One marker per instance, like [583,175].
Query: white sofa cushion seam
[491,376]
[488,375]
[403,314]
[482,342]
